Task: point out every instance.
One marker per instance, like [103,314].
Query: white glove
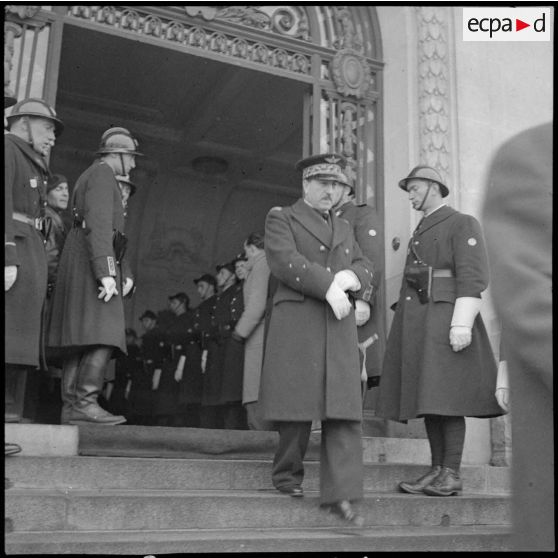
[347,280]
[108,289]
[362,312]
[127,287]
[338,301]
[464,313]
[156,378]
[10,276]
[502,386]
[180,368]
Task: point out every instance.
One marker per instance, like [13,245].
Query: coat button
[290,265]
[416,242]
[322,248]
[297,278]
[407,298]
[329,269]
[346,250]
[372,232]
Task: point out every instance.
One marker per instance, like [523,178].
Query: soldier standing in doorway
[87,319]
[370,333]
[33,129]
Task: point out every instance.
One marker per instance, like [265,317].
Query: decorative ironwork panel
[25,59]
[348,127]
[196,35]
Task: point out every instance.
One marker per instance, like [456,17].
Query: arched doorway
[224,100]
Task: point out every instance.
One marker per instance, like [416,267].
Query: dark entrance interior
[220,142]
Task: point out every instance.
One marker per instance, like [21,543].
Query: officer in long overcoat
[87,318]
[370,330]
[311,365]
[438,362]
[33,128]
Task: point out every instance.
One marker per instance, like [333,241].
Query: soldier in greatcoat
[311,367]
[33,128]
[438,362]
[184,367]
[222,387]
[371,338]
[87,318]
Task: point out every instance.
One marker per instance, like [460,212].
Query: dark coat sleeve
[10,253]
[99,200]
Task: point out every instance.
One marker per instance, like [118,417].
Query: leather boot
[90,378]
[447,483]
[68,383]
[417,487]
[15,380]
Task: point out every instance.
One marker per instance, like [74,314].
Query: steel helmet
[125,179]
[9,101]
[424,172]
[38,109]
[118,140]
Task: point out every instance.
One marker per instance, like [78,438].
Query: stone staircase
[137,490]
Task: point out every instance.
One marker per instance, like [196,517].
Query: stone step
[379,539]
[86,510]
[142,441]
[188,474]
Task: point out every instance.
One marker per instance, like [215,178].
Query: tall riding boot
[15,380]
[90,379]
[68,383]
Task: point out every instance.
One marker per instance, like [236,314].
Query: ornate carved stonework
[349,69]
[433,76]
[197,36]
[11,31]
[351,73]
[23,12]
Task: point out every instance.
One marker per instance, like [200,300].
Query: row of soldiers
[186,370]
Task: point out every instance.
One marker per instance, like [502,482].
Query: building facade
[225,99]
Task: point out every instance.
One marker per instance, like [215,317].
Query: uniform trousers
[341,467]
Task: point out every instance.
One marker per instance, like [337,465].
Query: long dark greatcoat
[421,374]
[78,317]
[185,341]
[25,174]
[365,228]
[311,363]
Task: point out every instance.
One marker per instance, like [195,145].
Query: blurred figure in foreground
[518,225]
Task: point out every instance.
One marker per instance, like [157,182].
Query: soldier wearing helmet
[438,363]
[32,130]
[87,320]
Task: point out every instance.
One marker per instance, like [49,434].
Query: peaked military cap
[330,166]
[425,173]
[183,297]
[227,265]
[206,278]
[148,314]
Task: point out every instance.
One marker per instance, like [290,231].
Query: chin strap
[425,196]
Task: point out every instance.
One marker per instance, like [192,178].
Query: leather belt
[36,222]
[442,273]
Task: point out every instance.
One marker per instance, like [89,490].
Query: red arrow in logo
[519,25]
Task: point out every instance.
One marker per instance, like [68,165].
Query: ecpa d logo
[506,24]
